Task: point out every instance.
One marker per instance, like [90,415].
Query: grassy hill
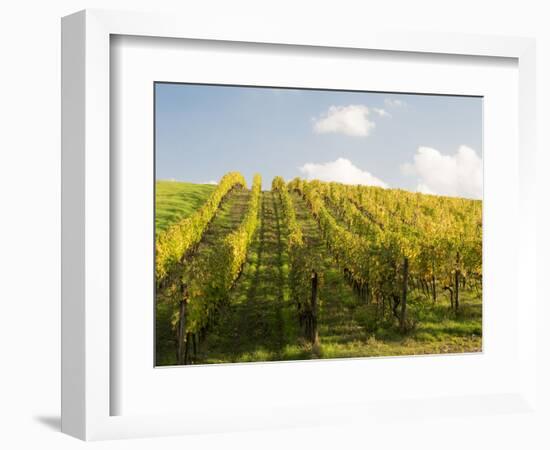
[176,200]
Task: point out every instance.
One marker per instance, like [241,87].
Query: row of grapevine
[207,285]
[351,251]
[302,263]
[173,243]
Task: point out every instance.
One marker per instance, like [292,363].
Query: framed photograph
[268,228]
[254,263]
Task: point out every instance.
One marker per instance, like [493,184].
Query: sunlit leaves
[172,244]
[371,230]
[210,283]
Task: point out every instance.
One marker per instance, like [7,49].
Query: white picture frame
[87,386]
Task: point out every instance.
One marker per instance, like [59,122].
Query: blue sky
[427,143]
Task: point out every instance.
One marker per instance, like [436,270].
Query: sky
[426,143]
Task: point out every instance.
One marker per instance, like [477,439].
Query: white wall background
[30,221]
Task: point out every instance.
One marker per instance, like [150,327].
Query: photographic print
[298,224]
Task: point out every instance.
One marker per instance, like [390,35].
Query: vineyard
[311,270]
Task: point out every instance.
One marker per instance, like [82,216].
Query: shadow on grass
[256,324]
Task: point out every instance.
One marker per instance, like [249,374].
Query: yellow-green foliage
[438,235]
[211,286]
[236,244]
[173,243]
[295,237]
[301,260]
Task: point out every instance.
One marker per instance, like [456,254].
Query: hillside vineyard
[313,269]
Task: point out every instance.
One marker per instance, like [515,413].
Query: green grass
[260,322]
[176,200]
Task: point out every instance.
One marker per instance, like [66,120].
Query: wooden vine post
[182,332]
[434,292]
[457,279]
[313,332]
[403,315]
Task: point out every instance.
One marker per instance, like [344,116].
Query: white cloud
[407,169]
[394,103]
[424,189]
[342,170]
[458,175]
[351,120]
[210,182]
[381,112]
